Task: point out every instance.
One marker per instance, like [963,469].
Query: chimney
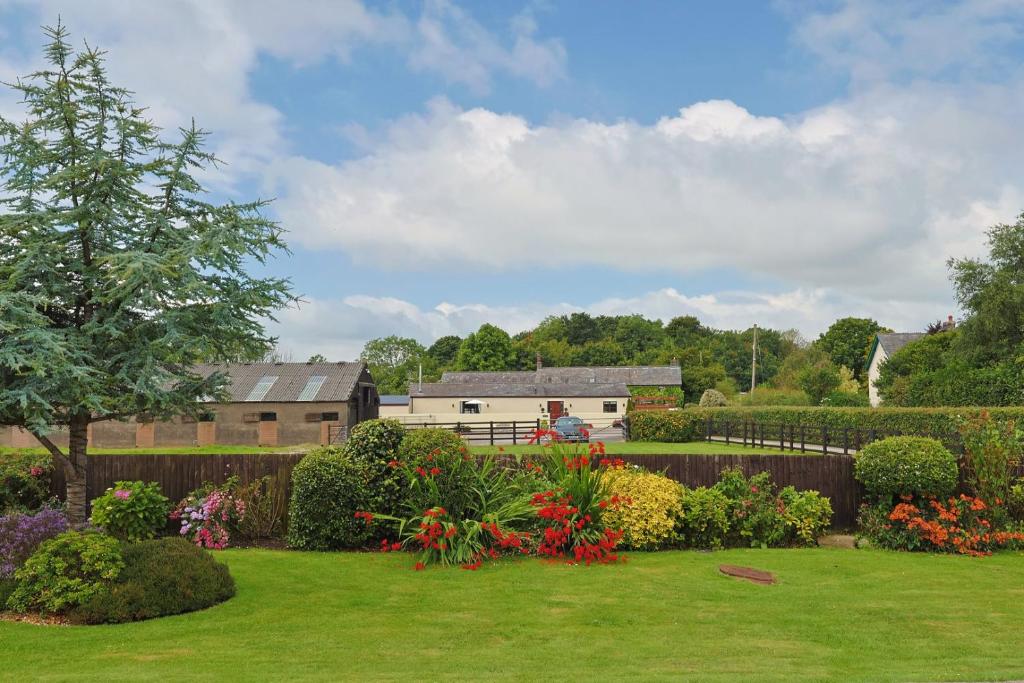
[949,324]
[674,361]
[540,362]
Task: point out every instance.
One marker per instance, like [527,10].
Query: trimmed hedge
[328,487]
[915,421]
[674,426]
[160,577]
[906,465]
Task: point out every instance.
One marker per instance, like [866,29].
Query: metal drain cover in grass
[752,575]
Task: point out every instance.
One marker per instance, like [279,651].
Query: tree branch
[69,469]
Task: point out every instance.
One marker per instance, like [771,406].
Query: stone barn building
[269,404]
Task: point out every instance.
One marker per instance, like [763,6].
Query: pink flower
[35,471]
[122,494]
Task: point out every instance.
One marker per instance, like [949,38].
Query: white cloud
[870,194]
[339,328]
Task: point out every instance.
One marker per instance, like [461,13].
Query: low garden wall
[178,475]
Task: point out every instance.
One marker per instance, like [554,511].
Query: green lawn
[834,615]
[649,447]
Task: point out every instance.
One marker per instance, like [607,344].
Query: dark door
[555,410]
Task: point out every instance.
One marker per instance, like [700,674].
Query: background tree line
[789,369]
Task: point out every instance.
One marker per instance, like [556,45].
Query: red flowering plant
[572,511]
[462,511]
[961,524]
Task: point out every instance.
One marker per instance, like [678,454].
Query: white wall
[873,371]
[590,409]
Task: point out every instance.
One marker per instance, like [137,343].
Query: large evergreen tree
[116,276]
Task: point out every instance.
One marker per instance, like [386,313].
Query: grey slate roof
[394,400]
[635,376]
[891,342]
[517,389]
[339,384]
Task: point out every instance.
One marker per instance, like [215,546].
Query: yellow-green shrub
[648,508]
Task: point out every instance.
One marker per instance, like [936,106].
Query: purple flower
[21,534]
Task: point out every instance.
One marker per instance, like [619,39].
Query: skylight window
[312,388]
[259,391]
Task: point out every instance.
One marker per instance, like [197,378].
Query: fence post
[824,440]
[791,430]
[726,432]
[745,434]
[514,442]
[803,441]
[762,435]
[782,437]
[846,440]
[492,432]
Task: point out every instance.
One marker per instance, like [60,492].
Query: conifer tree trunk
[76,493]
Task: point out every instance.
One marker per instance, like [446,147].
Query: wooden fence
[178,475]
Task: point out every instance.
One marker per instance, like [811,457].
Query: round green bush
[906,465]
[131,510]
[65,572]
[713,398]
[160,577]
[328,487]
[419,443]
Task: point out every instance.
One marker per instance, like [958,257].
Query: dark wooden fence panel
[178,475]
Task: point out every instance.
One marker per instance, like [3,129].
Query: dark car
[571,429]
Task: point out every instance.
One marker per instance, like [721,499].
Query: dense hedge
[672,426]
[328,487]
[915,421]
[906,465]
[160,577]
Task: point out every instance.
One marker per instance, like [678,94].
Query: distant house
[883,347]
[269,404]
[598,393]
[392,405]
[507,401]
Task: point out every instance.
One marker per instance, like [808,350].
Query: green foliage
[394,360]
[992,453]
[375,444]
[445,349]
[160,577]
[848,341]
[417,444]
[941,423]
[755,518]
[676,426]
[599,353]
[487,349]
[131,510]
[117,274]
[651,514]
[705,517]
[328,487]
[712,398]
[265,502]
[24,480]
[906,465]
[66,571]
[818,381]
[767,396]
[846,399]
[637,335]
[581,329]
[808,514]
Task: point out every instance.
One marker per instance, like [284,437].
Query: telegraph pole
[753,362]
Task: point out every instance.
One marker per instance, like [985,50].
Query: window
[259,392]
[312,388]
[268,417]
[611,406]
[208,417]
[329,417]
[470,407]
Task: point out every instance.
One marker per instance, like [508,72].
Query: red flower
[420,566]
[434,471]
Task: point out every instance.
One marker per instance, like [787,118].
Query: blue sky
[441,164]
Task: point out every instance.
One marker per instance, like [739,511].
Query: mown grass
[647,447]
[835,614]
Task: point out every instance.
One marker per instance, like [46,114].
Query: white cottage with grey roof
[882,349]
